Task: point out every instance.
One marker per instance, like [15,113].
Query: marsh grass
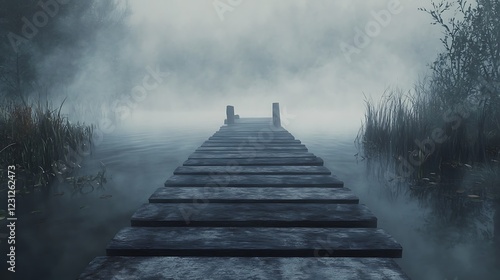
[35,138]
[458,178]
[440,142]
[395,128]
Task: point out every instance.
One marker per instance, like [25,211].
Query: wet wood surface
[201,195]
[301,161]
[253,242]
[205,214]
[229,268]
[326,181]
[252,170]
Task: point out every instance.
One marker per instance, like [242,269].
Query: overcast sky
[252,53]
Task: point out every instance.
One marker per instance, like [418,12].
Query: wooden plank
[262,133]
[254,141]
[253,242]
[254,195]
[313,161]
[254,181]
[264,128]
[266,125]
[251,135]
[263,138]
[251,149]
[257,120]
[262,125]
[256,124]
[265,131]
[249,129]
[207,214]
[225,268]
[250,144]
[251,155]
[251,170]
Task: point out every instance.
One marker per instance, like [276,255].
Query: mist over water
[261,52]
[69,230]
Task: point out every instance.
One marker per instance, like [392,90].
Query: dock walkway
[251,203]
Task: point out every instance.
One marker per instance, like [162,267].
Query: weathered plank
[252,155]
[256,129]
[250,126]
[254,141]
[251,149]
[241,124]
[239,132]
[204,214]
[254,120]
[254,181]
[262,134]
[314,161]
[253,242]
[251,170]
[264,138]
[228,268]
[253,195]
[250,144]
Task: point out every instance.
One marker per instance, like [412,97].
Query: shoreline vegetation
[41,142]
[440,142]
[44,146]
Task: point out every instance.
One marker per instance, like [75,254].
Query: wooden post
[496,227]
[230,114]
[276,115]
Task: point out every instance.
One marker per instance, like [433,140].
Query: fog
[179,63]
[254,53]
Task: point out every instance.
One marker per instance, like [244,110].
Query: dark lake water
[56,239]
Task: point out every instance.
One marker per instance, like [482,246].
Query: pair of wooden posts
[276,115]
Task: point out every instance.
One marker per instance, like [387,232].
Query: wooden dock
[251,203]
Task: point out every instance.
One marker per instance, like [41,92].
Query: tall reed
[35,137]
[458,176]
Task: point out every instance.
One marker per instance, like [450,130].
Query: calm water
[58,238]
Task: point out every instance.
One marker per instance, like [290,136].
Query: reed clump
[440,142]
[36,138]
